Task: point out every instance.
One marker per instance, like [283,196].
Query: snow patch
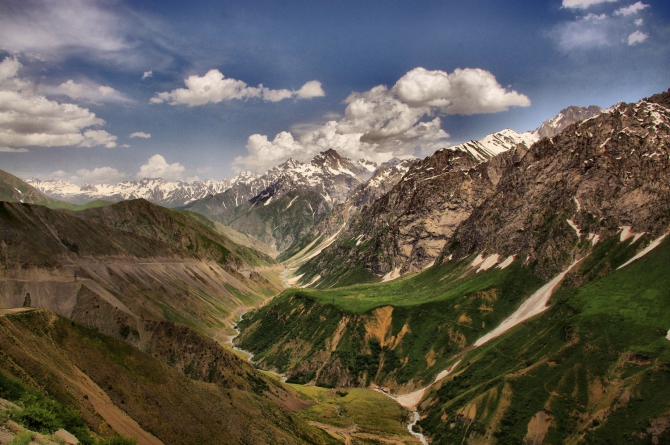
[594,238]
[489,262]
[359,239]
[294,280]
[654,244]
[290,203]
[268,201]
[316,278]
[509,260]
[668,336]
[477,261]
[574,226]
[395,273]
[535,304]
[579,205]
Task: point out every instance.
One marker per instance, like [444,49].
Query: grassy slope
[370,412]
[395,332]
[597,364]
[58,356]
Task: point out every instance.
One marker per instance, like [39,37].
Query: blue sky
[214,87]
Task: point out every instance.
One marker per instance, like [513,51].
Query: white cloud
[157,167]
[9,68]
[49,28]
[310,89]
[630,10]
[584,4]
[87,91]
[140,134]
[465,91]
[637,37]
[589,31]
[147,74]
[99,175]
[382,123]
[639,22]
[98,137]
[13,150]
[29,119]
[214,87]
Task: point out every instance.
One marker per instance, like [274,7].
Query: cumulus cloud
[637,37]
[99,175]
[147,74]
[639,22]
[98,137]
[140,134]
[630,10]
[382,123]
[465,91]
[214,87]
[29,119]
[584,4]
[87,91]
[157,167]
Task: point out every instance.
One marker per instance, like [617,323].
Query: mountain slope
[585,184]
[583,214]
[405,230]
[115,266]
[13,189]
[282,205]
[119,388]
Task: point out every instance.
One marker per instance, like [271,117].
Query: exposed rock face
[383,180]
[406,229]
[595,177]
[565,118]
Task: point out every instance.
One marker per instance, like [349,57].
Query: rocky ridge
[282,205]
[560,197]
[406,228]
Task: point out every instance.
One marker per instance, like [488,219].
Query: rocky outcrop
[406,229]
[566,117]
[568,191]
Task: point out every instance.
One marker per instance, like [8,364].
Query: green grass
[440,282]
[609,332]
[439,311]
[370,410]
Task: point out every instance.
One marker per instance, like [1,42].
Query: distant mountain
[281,206]
[406,228]
[156,190]
[564,118]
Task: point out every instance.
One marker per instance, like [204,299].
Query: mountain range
[508,290]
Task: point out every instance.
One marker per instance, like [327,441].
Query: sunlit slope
[401,334]
[594,368]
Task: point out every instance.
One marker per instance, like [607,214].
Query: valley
[508,290]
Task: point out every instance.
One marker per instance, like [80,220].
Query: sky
[104,91]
